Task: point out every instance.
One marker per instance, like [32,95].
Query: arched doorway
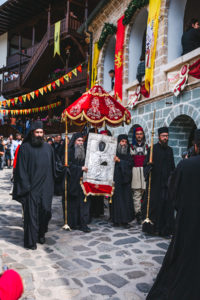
[137,43]
[109,63]
[175,28]
[181,134]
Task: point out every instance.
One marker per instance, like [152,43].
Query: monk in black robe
[178,278]
[161,208]
[34,183]
[122,204]
[78,214]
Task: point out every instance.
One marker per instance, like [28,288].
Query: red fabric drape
[144,92]
[195,69]
[119,53]
[94,189]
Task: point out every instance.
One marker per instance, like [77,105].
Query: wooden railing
[34,53]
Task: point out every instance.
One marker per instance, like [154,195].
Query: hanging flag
[32,94]
[45,88]
[74,72]
[57,38]
[94,64]
[151,41]
[62,80]
[79,68]
[66,77]
[49,87]
[24,98]
[41,90]
[70,75]
[119,55]
[37,93]
[53,85]
[57,82]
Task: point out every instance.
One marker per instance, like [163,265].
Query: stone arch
[181,131]
[183,109]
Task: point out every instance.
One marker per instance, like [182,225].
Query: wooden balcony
[38,54]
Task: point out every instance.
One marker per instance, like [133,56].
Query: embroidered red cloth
[195,69]
[98,108]
[97,189]
[119,58]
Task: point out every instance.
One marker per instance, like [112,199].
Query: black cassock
[33,187]
[178,278]
[161,207]
[122,202]
[78,214]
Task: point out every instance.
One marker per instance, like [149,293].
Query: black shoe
[139,218]
[85,229]
[126,226]
[41,240]
[31,247]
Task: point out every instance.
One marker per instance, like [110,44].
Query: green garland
[132,7]
[108,29]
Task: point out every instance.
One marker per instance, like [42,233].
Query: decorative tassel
[110,201]
[85,200]
[82,117]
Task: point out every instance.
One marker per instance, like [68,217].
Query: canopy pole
[66,226]
[147,220]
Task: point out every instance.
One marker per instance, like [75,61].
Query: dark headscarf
[163,130]
[123,137]
[75,136]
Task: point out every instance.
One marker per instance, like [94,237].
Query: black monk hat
[163,130]
[75,136]
[36,125]
[197,136]
[122,137]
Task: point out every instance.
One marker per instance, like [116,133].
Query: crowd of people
[40,172]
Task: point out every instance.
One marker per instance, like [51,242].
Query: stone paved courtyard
[108,263]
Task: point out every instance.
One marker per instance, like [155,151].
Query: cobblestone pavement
[108,263]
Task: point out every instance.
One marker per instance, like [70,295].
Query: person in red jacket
[11,285]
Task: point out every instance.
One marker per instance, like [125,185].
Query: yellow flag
[57,82]
[94,64]
[41,90]
[57,38]
[32,94]
[74,72]
[66,77]
[151,41]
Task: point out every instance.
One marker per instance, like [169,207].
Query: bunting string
[27,111]
[43,90]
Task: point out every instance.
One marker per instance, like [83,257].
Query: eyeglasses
[164,135]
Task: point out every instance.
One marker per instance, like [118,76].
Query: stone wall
[181,114]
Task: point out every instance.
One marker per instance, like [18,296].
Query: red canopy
[98,108]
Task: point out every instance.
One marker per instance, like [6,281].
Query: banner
[57,38]
[94,64]
[151,41]
[43,89]
[119,53]
[29,110]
